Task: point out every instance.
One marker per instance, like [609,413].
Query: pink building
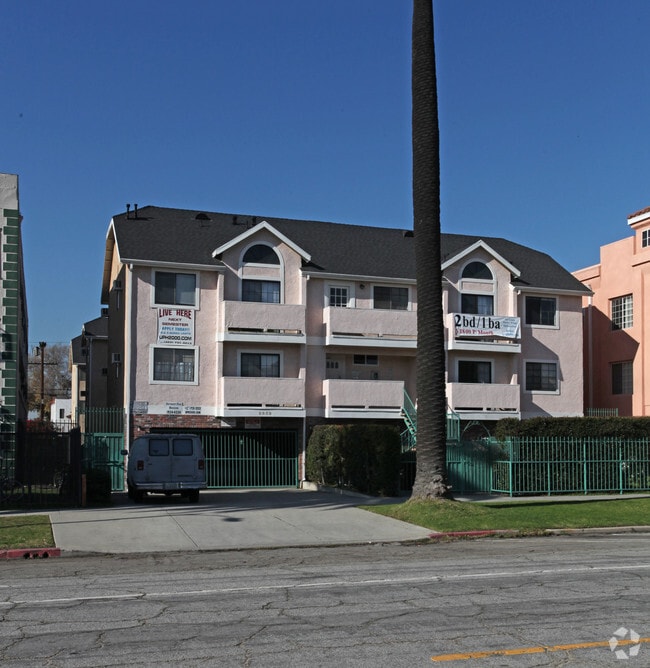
[616,364]
[234,327]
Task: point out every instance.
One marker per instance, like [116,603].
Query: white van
[166,464]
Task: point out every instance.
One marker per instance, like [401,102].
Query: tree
[52,361]
[431,473]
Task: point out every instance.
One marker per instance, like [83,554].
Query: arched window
[260,254]
[477,270]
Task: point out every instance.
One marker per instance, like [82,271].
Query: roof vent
[201,216]
[407,233]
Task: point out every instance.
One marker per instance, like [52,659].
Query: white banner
[175,327]
[506,327]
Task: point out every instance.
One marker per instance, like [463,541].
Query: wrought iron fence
[572,466]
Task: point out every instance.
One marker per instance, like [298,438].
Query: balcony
[255,322]
[370,328]
[484,401]
[376,399]
[266,397]
[483,333]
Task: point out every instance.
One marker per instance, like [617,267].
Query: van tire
[194,496]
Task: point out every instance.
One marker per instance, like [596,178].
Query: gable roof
[189,237]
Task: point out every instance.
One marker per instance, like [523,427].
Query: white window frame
[245,250]
[197,289]
[339,286]
[626,310]
[556,363]
[152,381]
[645,238]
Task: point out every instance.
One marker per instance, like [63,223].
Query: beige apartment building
[246,328]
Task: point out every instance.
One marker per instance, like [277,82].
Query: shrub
[361,457]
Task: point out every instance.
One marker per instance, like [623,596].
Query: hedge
[365,458]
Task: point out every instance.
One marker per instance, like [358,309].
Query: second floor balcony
[255,321]
[489,333]
[477,401]
[262,396]
[370,327]
[366,399]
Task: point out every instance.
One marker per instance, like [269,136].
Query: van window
[183,447]
[158,447]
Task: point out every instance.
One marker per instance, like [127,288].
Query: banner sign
[506,327]
[175,327]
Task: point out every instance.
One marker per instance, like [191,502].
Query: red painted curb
[35,553]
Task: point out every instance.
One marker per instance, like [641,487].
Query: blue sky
[301,109]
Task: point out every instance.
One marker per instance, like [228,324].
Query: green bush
[365,458]
[614,427]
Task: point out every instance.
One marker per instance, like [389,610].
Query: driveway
[227,519]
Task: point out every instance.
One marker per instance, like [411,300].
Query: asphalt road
[548,601]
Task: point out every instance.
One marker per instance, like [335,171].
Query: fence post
[75,464]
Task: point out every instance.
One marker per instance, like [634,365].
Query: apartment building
[616,363]
[13,310]
[228,323]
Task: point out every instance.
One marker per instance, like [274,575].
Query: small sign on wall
[175,327]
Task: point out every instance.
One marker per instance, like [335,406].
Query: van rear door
[184,459]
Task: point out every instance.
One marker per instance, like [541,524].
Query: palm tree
[431,474]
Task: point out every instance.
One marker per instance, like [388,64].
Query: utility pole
[41,349]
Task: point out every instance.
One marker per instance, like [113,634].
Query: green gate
[104,451]
[469,465]
[250,458]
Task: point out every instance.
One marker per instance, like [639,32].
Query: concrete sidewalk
[227,519]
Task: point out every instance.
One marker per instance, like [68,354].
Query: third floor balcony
[370,327]
[255,321]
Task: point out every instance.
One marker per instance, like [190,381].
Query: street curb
[474,534]
[35,553]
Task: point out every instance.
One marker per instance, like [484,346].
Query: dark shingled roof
[161,235]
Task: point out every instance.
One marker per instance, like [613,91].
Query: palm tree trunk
[431,473]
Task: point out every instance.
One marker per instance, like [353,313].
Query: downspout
[127,354]
[590,352]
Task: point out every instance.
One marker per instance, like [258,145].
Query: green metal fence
[572,466]
[104,451]
[246,458]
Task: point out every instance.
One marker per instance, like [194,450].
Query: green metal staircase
[410,416]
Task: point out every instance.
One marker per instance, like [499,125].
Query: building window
[267,292]
[174,365]
[365,360]
[477,304]
[541,311]
[338,296]
[176,289]
[541,377]
[622,312]
[395,299]
[645,238]
[474,372]
[260,254]
[477,270]
[622,378]
[256,365]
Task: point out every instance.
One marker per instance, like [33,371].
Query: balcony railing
[262,396]
[379,398]
[243,321]
[370,327]
[487,399]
